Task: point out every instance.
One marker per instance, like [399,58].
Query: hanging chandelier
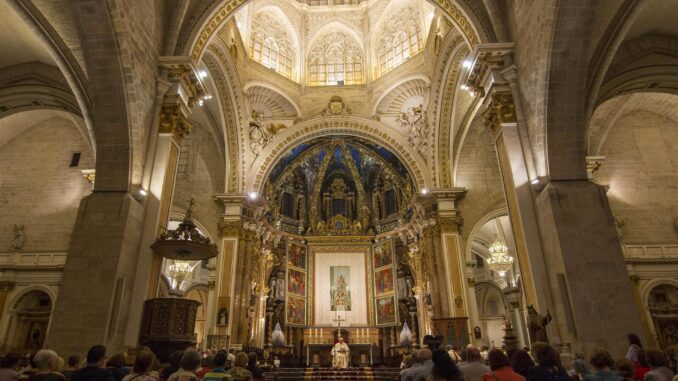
[500,261]
[185,243]
[179,271]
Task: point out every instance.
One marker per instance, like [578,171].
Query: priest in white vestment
[340,354]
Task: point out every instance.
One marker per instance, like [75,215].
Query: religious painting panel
[340,290]
[296,255]
[383,281]
[222,311]
[296,311]
[296,282]
[383,254]
[386,311]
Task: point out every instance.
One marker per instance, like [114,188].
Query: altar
[320,340]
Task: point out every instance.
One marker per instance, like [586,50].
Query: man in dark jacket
[94,371]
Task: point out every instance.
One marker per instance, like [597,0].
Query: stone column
[181,89]
[449,220]
[5,288]
[568,250]
[514,298]
[586,266]
[489,78]
[94,299]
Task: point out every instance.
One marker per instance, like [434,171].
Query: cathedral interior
[276,174]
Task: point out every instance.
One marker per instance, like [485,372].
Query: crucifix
[339,319]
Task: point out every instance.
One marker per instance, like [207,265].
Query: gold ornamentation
[336,107]
[500,110]
[365,128]
[173,121]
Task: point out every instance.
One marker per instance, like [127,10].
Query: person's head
[655,358]
[642,358]
[220,359]
[444,368]
[545,355]
[340,339]
[521,361]
[448,347]
[425,355]
[241,360]
[497,359]
[144,362]
[601,359]
[407,361]
[10,361]
[634,339]
[74,362]
[624,368]
[45,360]
[116,361]
[96,356]
[251,359]
[190,360]
[484,348]
[472,354]
[175,359]
[208,362]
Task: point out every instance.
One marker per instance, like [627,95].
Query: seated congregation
[432,362]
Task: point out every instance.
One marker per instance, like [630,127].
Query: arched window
[270,45]
[334,59]
[400,38]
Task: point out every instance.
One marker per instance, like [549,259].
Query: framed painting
[296,282]
[340,291]
[383,254]
[386,310]
[383,281]
[296,255]
[295,311]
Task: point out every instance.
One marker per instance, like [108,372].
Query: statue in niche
[258,136]
[19,238]
[233,49]
[278,287]
[414,121]
[403,286]
[537,323]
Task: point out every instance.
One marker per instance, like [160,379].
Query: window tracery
[271,46]
[334,58]
[400,38]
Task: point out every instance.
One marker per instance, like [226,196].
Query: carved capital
[230,228]
[7,285]
[173,120]
[182,73]
[211,284]
[593,164]
[485,63]
[500,110]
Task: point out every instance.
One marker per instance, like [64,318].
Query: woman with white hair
[47,362]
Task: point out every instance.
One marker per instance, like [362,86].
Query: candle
[321,332]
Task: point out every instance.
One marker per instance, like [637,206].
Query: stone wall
[641,168]
[478,172]
[38,189]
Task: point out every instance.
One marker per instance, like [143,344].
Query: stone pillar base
[595,305]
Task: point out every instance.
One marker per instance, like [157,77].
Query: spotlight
[424,191]
[464,87]
[467,64]
[252,195]
[202,73]
[430,15]
[143,192]
[535,181]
